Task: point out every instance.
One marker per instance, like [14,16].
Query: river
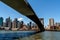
[47,35]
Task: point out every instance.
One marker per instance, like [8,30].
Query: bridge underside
[23,7]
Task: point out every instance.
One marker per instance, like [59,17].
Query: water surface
[47,35]
[15,35]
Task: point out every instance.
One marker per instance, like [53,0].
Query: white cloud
[19,19]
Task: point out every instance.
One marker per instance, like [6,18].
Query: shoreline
[53,30]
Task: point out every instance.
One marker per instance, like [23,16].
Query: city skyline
[16,25]
[9,19]
[8,22]
[43,8]
[51,20]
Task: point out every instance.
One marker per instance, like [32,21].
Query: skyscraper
[42,21]
[4,24]
[30,25]
[15,23]
[19,24]
[22,23]
[8,22]
[1,21]
[51,22]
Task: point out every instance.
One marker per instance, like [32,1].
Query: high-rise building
[57,24]
[19,24]
[4,24]
[15,23]
[30,25]
[22,23]
[8,22]
[1,21]
[42,21]
[51,22]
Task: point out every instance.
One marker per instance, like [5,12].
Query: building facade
[15,23]
[51,22]
[1,21]
[19,24]
[8,22]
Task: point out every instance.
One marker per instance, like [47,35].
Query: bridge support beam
[24,8]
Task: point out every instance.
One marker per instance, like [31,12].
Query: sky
[43,8]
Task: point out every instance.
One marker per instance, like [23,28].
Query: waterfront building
[51,22]
[57,24]
[4,24]
[14,23]
[8,22]
[22,23]
[29,25]
[19,24]
[1,21]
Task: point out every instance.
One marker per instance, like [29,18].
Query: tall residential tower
[51,22]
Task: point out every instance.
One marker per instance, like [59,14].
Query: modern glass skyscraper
[15,23]
[1,21]
[8,22]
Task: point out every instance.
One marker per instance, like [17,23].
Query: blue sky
[43,8]
[47,9]
[6,11]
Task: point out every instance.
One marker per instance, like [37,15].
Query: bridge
[23,7]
